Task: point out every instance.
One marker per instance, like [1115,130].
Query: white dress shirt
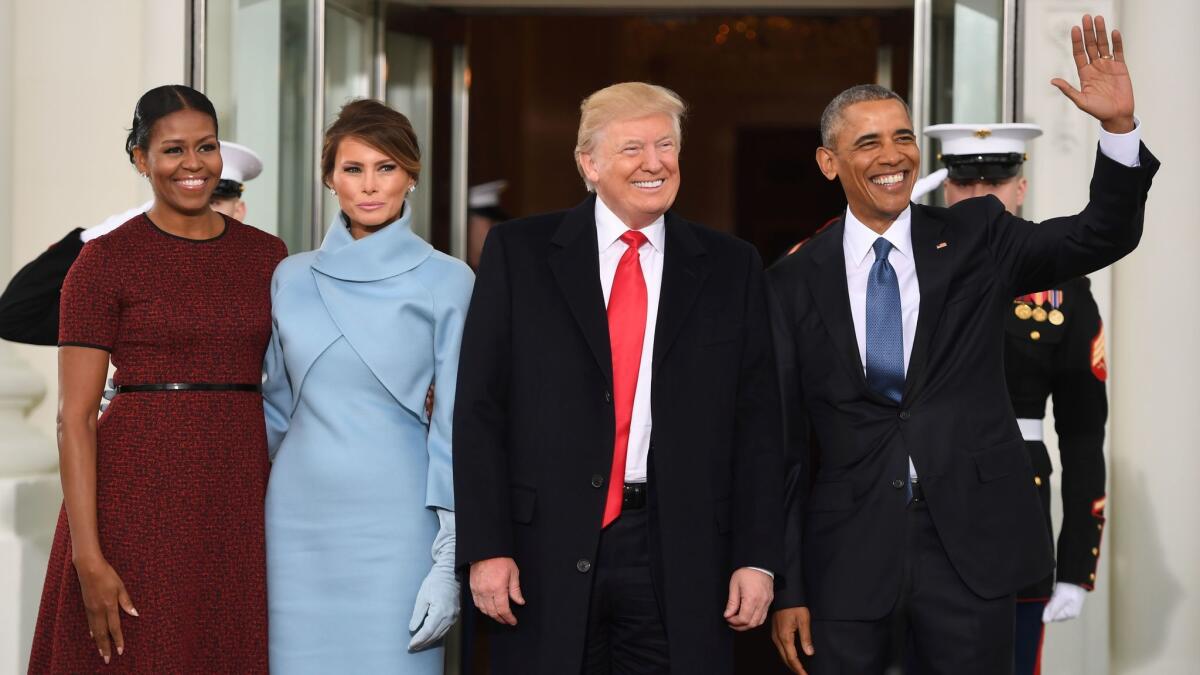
[858,241]
[609,229]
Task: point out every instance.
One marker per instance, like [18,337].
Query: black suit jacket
[848,446]
[29,305]
[534,426]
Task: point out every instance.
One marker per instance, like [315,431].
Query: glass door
[278,72]
[426,78]
[255,66]
[963,70]
[352,70]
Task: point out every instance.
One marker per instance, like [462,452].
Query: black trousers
[942,625]
[625,631]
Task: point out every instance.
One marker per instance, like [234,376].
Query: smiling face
[1010,191]
[634,166]
[182,160]
[370,185]
[875,156]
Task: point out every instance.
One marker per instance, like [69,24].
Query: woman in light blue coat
[360,503]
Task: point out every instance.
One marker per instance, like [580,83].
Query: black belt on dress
[186,386]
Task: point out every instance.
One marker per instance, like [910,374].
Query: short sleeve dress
[180,475]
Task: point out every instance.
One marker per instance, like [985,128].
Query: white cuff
[766,572]
[1124,148]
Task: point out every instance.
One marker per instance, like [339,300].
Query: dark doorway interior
[755,85]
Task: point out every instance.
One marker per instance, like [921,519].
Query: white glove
[1066,603]
[928,184]
[110,390]
[437,600]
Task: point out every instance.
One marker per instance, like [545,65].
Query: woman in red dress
[158,561]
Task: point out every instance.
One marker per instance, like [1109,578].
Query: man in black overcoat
[617,437]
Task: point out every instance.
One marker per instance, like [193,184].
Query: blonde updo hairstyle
[626,100]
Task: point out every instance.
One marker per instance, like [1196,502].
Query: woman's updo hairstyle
[378,126]
[157,104]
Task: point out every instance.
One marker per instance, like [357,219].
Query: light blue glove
[437,600]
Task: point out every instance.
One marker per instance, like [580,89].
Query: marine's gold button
[1095,551]
[1035,335]
[1037,480]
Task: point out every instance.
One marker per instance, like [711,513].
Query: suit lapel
[827,283]
[576,266]
[685,267]
[933,276]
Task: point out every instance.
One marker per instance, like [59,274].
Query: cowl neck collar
[391,251]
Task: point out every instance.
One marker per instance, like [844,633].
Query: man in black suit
[911,500]
[618,452]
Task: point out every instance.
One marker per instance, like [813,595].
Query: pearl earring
[412,188]
[333,192]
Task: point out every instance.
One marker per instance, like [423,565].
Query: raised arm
[1036,256]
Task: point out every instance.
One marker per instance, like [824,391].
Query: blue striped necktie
[885,327]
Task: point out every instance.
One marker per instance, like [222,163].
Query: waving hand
[1105,90]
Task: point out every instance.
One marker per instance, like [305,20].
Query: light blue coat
[361,330]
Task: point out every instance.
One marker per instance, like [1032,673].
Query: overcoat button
[597,480]
[608,397]
[904,415]
[583,565]
[897,483]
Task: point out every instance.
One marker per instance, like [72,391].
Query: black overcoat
[534,425]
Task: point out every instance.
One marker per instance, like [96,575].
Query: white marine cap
[241,163]
[485,195]
[983,139]
[983,151]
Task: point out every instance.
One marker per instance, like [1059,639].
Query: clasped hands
[496,582]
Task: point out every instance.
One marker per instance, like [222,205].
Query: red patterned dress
[180,475]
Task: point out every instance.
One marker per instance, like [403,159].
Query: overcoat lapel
[685,267]
[575,263]
[933,255]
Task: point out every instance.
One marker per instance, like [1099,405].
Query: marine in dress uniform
[29,304]
[1054,349]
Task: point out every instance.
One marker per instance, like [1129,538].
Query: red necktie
[626,330]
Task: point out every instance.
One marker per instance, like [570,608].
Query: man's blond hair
[626,100]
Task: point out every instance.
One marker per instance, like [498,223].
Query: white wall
[83,65]
[1059,169]
[1155,502]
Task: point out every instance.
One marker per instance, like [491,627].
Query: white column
[29,493]
[1155,367]
[1059,169]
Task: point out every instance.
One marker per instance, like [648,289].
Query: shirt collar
[609,228]
[858,239]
